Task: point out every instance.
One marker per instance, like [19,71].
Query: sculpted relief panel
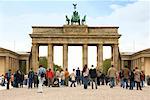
[103,30]
[45,30]
[75,30]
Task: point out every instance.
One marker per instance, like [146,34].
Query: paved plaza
[77,93]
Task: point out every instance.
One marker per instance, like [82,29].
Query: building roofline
[75,26]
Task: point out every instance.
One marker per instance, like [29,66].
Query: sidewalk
[4,87]
[75,93]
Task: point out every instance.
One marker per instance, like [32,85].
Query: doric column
[7,64]
[35,55]
[12,66]
[50,56]
[85,54]
[99,55]
[10,63]
[65,56]
[115,56]
[112,53]
[122,64]
[17,65]
[142,64]
[27,66]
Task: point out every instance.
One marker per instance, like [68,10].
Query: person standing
[142,78]
[125,77]
[21,79]
[62,76]
[36,80]
[30,78]
[73,78]
[56,79]
[8,77]
[50,76]
[85,76]
[93,76]
[137,77]
[78,76]
[121,78]
[112,75]
[98,76]
[131,77]
[41,75]
[66,77]
[12,79]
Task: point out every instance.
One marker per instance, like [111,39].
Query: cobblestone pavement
[75,93]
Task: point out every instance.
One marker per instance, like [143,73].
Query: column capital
[35,44]
[65,44]
[116,44]
[100,44]
[49,44]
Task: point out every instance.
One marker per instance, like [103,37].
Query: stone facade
[139,59]
[74,35]
[10,60]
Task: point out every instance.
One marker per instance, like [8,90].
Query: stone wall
[147,66]
[2,65]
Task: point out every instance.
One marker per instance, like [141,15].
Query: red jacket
[49,74]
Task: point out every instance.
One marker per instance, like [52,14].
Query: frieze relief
[75,30]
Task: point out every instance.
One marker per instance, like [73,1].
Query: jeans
[85,82]
[142,83]
[131,84]
[78,80]
[125,83]
[62,82]
[94,80]
[122,83]
[112,82]
[30,83]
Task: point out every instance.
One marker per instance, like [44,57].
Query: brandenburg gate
[75,34]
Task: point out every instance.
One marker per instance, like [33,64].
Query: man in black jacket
[93,76]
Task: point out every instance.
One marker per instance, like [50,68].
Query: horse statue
[84,20]
[75,18]
[68,20]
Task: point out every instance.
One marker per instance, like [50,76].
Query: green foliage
[56,67]
[43,61]
[106,65]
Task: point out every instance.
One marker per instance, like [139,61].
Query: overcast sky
[132,17]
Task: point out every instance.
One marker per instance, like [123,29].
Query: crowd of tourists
[126,78]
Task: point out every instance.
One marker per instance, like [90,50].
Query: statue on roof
[75,18]
[74,6]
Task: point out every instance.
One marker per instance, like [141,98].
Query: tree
[43,61]
[106,65]
[56,67]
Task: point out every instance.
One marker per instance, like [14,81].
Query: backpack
[42,74]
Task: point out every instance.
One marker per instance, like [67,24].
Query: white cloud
[134,22]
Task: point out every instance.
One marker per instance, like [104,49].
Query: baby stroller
[56,82]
